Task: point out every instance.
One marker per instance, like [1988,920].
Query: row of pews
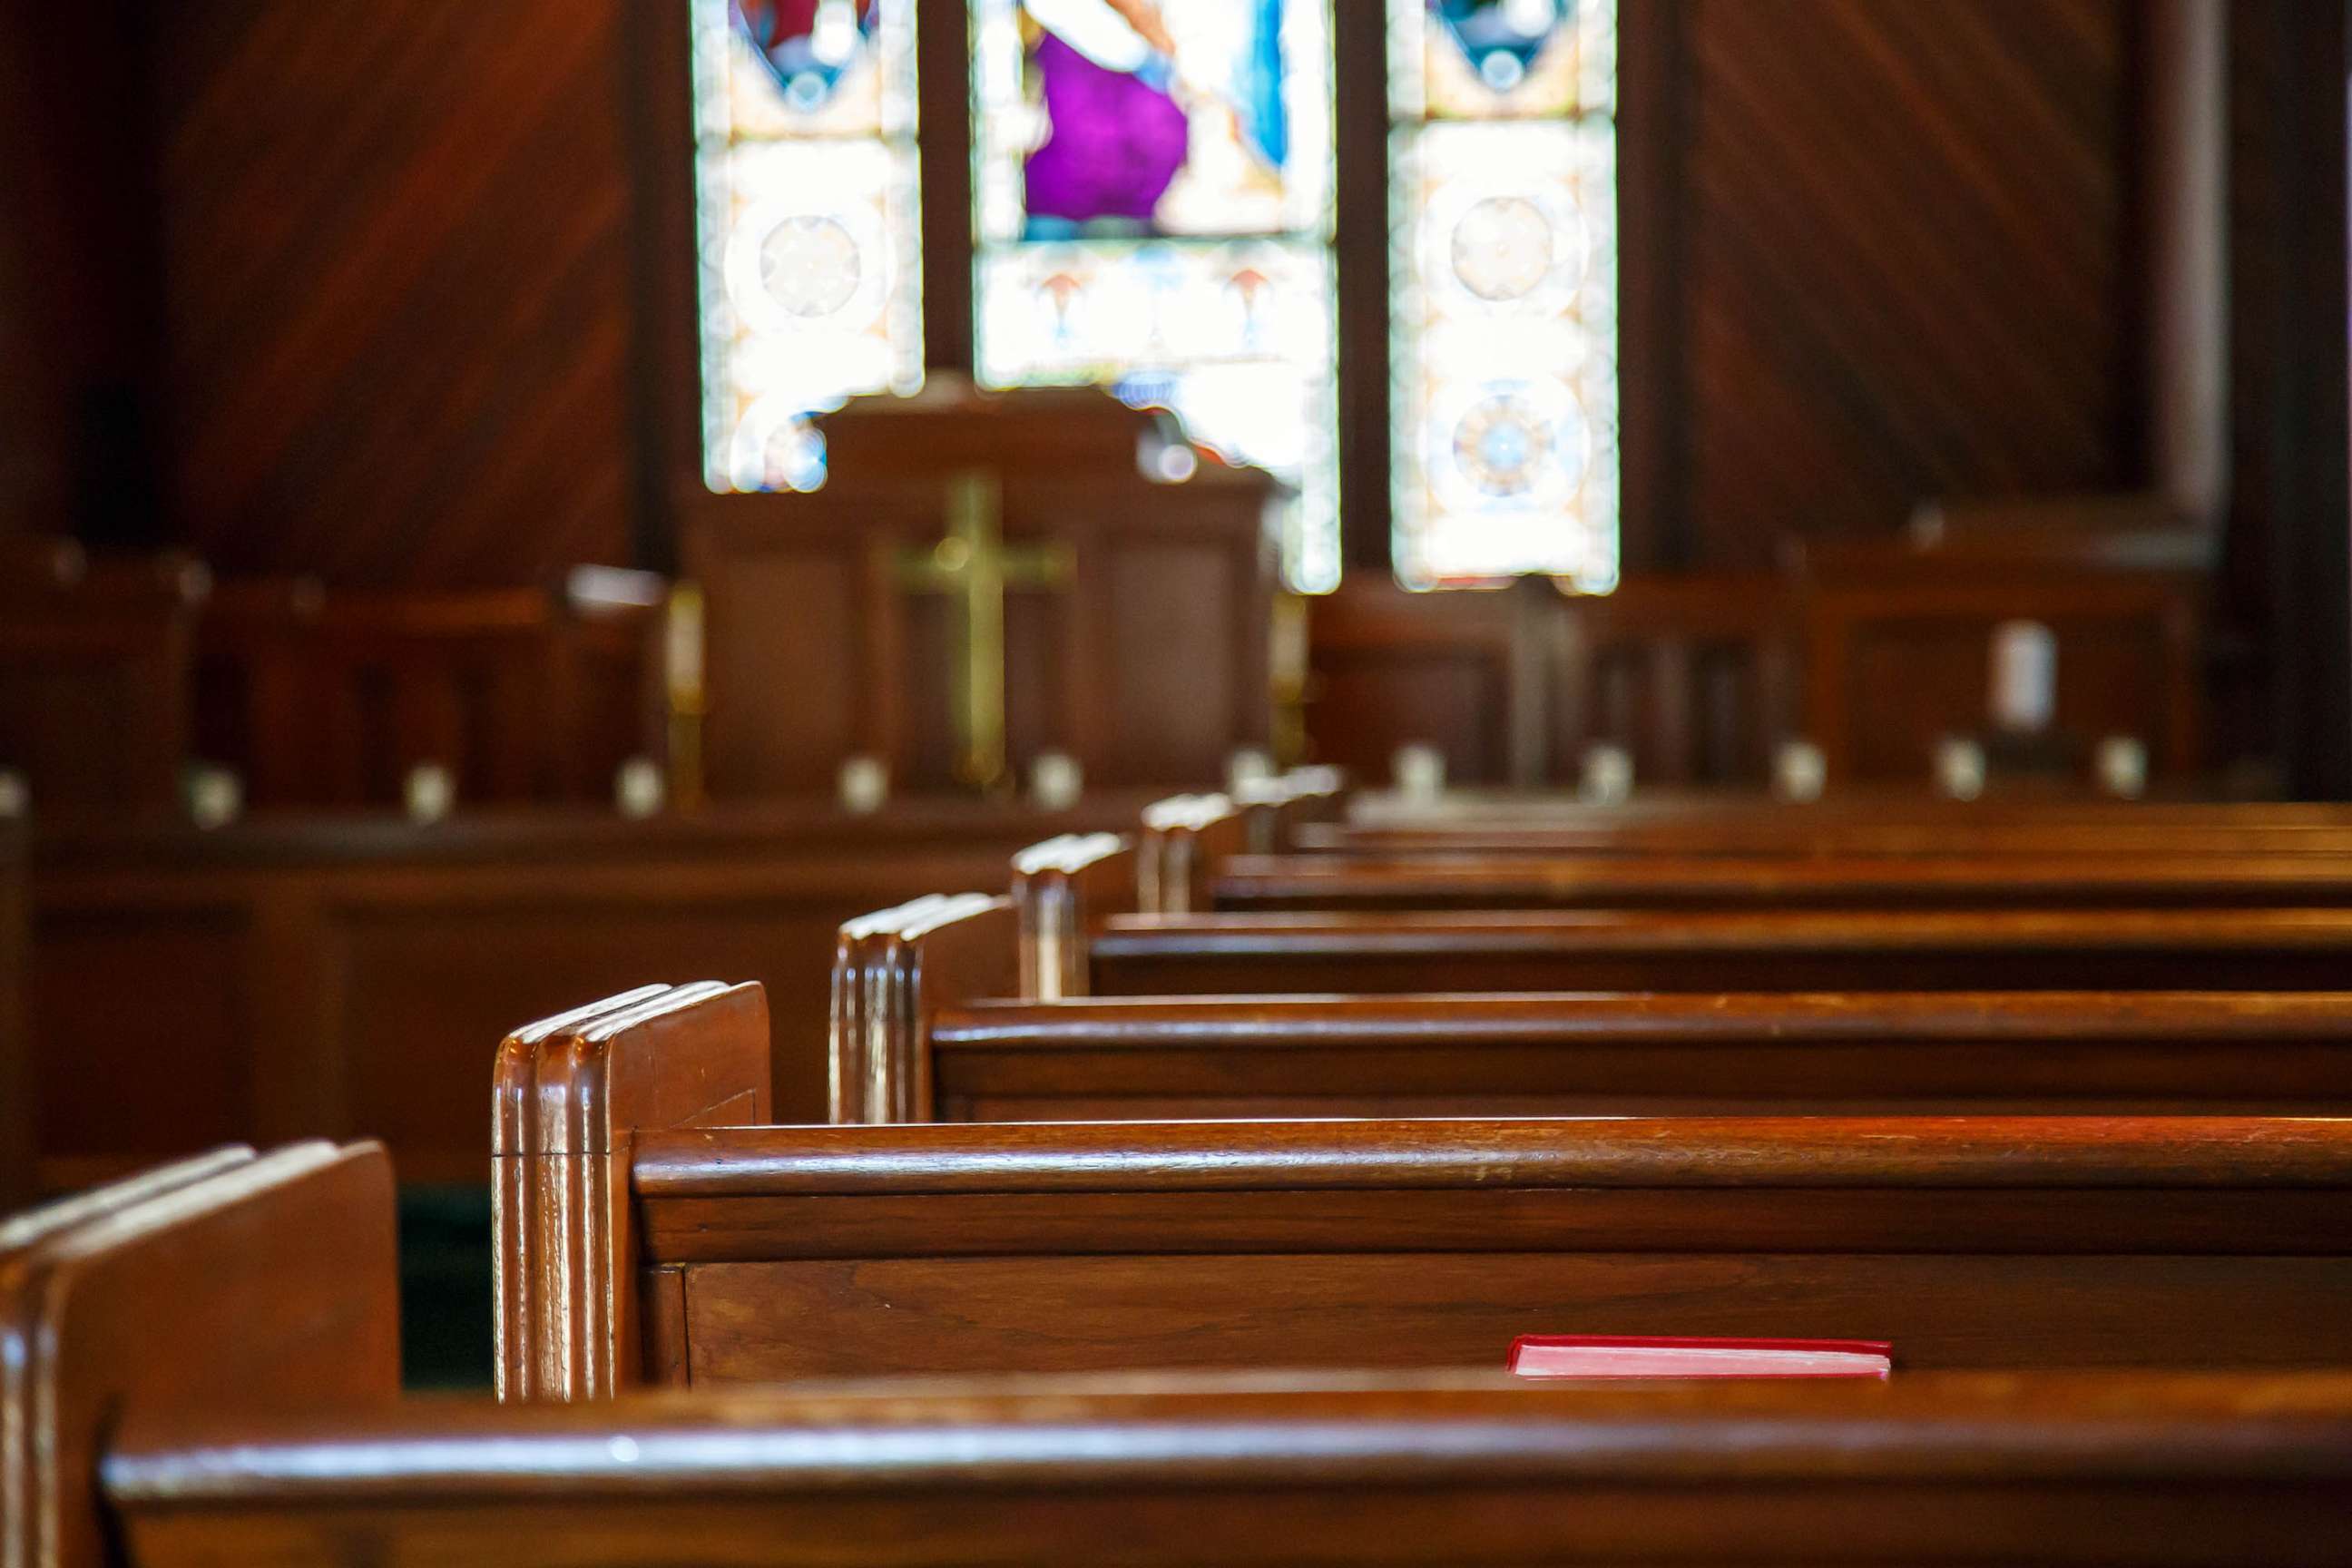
[1103,1259]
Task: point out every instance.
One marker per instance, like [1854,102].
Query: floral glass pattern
[1504,313]
[809,225]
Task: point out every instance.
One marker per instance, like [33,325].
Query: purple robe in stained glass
[1115,145]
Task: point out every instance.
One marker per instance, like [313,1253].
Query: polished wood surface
[1762,950]
[1699,678]
[1146,1058]
[1338,1470]
[358,379]
[17,1068]
[345,975]
[1970,1242]
[1530,880]
[266,1283]
[328,700]
[568,1095]
[1894,667]
[1149,664]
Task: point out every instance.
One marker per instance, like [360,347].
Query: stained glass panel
[810,225]
[1153,185]
[1504,310]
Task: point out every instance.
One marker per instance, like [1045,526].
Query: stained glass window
[1504,313]
[811,249]
[1154,184]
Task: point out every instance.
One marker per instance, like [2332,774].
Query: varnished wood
[265,1434]
[328,698]
[269,1282]
[96,679]
[1665,881]
[570,1094]
[1451,1469]
[1762,950]
[1880,1053]
[17,1142]
[347,974]
[1059,888]
[1969,1241]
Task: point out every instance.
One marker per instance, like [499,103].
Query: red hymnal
[1644,1355]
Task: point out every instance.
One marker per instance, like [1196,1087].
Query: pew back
[251,1282]
[1271,953]
[1881,1054]
[1969,1242]
[1223,1473]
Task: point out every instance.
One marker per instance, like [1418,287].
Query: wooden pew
[258,1281]
[943,1039]
[1170,1472]
[1528,882]
[1707,950]
[336,975]
[1970,1241]
[1072,899]
[1879,828]
[263,1433]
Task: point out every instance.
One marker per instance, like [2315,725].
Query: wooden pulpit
[982,579]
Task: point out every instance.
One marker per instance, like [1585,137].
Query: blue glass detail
[807,62]
[1501,38]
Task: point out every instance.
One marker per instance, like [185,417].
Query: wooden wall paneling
[325,977]
[17,1115]
[1694,675]
[1654,90]
[1388,668]
[800,624]
[2289,564]
[79,287]
[96,692]
[1936,307]
[1892,667]
[398,283]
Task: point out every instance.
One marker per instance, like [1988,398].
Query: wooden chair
[1694,677]
[763,1254]
[96,679]
[521,694]
[17,1142]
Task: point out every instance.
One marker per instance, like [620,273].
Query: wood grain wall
[1904,247]
[396,245]
[1887,250]
[79,292]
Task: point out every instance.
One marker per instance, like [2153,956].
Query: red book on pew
[1647,1355]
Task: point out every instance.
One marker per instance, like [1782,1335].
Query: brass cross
[973,567]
